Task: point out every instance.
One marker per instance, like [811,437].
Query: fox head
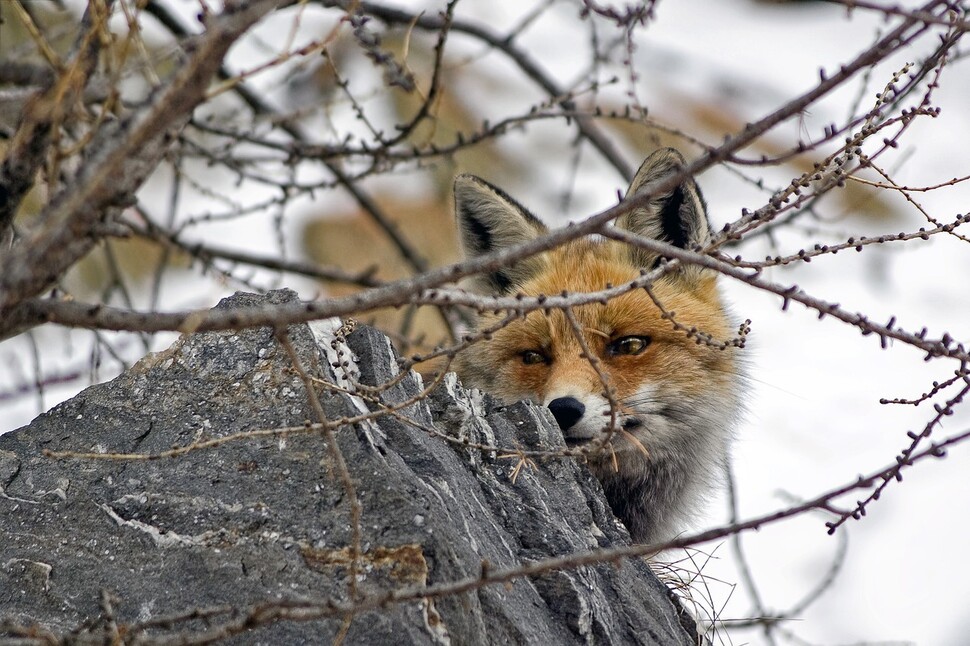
[665,401]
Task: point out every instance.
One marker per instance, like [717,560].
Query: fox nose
[567,411]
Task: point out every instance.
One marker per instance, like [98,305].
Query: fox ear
[489,220]
[677,216]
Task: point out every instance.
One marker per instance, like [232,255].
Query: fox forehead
[588,266]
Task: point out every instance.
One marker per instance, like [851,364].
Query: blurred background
[326,166]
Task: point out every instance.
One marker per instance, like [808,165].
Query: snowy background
[814,421]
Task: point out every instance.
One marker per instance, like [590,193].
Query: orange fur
[588,266]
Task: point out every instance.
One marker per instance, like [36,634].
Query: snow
[815,421]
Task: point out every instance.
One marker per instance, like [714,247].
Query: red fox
[675,400]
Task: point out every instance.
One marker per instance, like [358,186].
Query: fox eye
[531,357]
[629,345]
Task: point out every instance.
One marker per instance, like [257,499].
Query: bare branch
[122,156]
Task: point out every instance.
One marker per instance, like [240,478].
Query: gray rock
[253,534]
